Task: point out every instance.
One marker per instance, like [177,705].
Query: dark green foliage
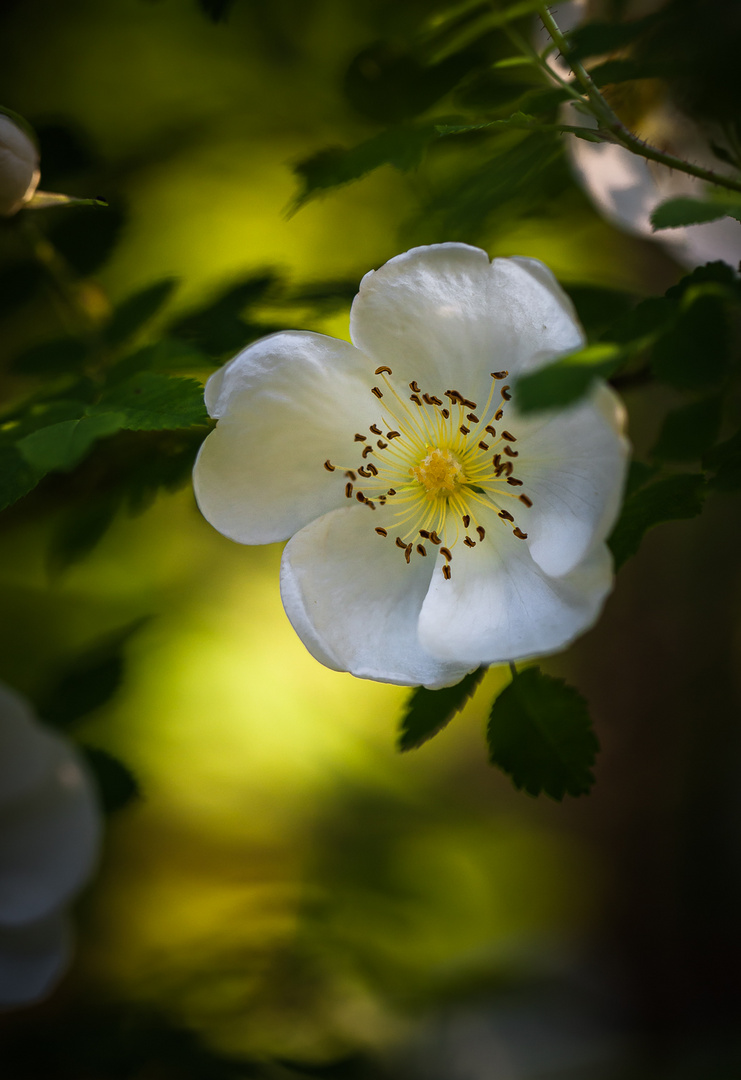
[639,473]
[540,733]
[216,10]
[724,461]
[151,401]
[601,38]
[18,284]
[568,379]
[684,211]
[117,785]
[89,681]
[223,325]
[17,476]
[672,498]
[81,528]
[689,431]
[428,711]
[85,236]
[52,358]
[136,311]
[695,351]
[598,307]
[712,273]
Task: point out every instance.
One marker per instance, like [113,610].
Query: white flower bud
[19,167]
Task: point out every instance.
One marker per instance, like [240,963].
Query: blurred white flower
[50,826]
[434,528]
[19,167]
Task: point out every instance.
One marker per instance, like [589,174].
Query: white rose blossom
[19,167]
[50,827]
[433,527]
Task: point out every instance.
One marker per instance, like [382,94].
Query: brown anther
[492,431]
[505,515]
[520,534]
[481,531]
[472,417]
[463,429]
[421,550]
[510,452]
[391,491]
[505,469]
[348,490]
[370,504]
[416,399]
[380,370]
[408,552]
[367,450]
[381,532]
[455,397]
[427,399]
[372,470]
[360,496]
[351,475]
[448,555]
[424,533]
[514,482]
[393,434]
[499,374]
[499,414]
[360,438]
[435,400]
[375,429]
[496,460]
[524,499]
[413,386]
[446,572]
[400,543]
[468,404]
[381,444]
[505,395]
[469,542]
[484,445]
[364,472]
[434,538]
[329,466]
[508,436]
[376,391]
[445,413]
[382,500]
[466,521]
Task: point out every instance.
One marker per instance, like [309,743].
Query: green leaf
[540,734]
[85,236]
[724,461]
[689,431]
[64,445]
[131,315]
[117,785]
[81,528]
[402,147]
[601,38]
[675,213]
[567,380]
[151,401]
[167,355]
[219,326]
[673,498]
[428,711]
[17,476]
[518,120]
[712,273]
[639,474]
[694,352]
[598,307]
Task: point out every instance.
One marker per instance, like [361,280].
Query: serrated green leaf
[540,733]
[567,380]
[712,273]
[62,446]
[151,401]
[117,785]
[689,431]
[694,352]
[671,499]
[136,311]
[17,477]
[428,711]
[675,213]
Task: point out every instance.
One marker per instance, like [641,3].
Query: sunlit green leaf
[151,401]
[674,213]
[428,711]
[673,498]
[569,379]
[64,445]
[540,733]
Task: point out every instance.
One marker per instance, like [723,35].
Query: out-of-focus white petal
[48,840]
[19,167]
[284,405]
[499,605]
[27,750]
[448,316]
[32,958]
[573,466]
[355,602]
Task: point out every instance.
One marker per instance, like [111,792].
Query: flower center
[443,468]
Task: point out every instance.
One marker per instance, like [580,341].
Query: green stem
[611,124]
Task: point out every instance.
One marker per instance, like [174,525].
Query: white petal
[499,605]
[32,959]
[27,751]
[284,405]
[355,602]
[447,316]
[19,173]
[48,840]
[573,466]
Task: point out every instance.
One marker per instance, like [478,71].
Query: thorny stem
[611,125]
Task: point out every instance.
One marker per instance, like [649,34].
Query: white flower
[49,837]
[433,528]
[19,167]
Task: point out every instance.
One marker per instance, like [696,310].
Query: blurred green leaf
[17,476]
[567,380]
[51,358]
[131,315]
[221,326]
[712,273]
[689,431]
[540,733]
[598,307]
[639,474]
[600,38]
[64,445]
[166,355]
[695,351]
[216,10]
[151,401]
[724,461]
[117,785]
[80,529]
[670,499]
[18,284]
[674,213]
[85,236]
[518,120]
[428,711]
